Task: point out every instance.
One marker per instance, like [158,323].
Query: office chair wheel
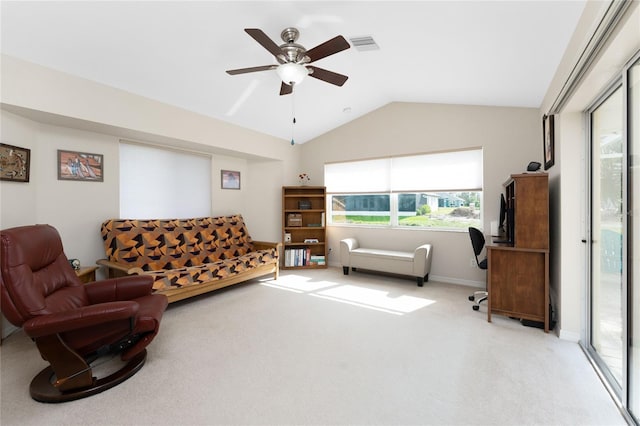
[472,298]
[476,307]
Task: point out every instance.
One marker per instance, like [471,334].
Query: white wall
[226,201]
[74,208]
[16,196]
[75,102]
[258,199]
[510,138]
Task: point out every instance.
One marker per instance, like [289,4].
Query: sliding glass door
[633,120]
[607,229]
[613,334]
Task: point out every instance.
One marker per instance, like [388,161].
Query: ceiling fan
[294,59]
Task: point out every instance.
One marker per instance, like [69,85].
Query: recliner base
[42,386]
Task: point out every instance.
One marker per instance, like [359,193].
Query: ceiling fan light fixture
[294,60]
[292,73]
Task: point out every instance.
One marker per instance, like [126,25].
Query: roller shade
[446,171]
[161,183]
[358,176]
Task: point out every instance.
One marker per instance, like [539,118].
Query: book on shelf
[298,257]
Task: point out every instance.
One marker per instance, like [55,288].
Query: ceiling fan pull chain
[293,114]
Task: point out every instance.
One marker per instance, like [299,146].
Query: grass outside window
[442,220]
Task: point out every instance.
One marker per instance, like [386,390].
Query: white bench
[416,264]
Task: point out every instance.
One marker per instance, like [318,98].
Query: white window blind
[446,171]
[162,183]
[358,176]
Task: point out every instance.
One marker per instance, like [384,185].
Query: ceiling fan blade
[329,47]
[259,36]
[328,76]
[252,69]
[285,89]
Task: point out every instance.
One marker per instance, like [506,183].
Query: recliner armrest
[117,289]
[83,317]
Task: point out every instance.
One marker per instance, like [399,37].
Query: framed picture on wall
[15,163]
[82,166]
[230,179]
[548,142]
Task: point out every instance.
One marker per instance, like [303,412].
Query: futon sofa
[415,263]
[187,257]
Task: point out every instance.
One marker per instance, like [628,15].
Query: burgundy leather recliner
[73,324]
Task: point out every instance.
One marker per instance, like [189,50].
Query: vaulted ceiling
[501,53]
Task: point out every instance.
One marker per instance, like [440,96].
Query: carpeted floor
[320,348]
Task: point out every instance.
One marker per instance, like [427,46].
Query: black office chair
[477,241]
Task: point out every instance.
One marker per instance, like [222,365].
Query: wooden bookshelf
[304,235]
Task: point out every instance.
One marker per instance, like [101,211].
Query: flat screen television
[505,225]
[503,214]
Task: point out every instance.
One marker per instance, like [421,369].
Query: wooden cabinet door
[531,211]
[518,283]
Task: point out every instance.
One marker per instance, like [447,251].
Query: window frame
[394,195]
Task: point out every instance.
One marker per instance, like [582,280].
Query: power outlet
[472,263]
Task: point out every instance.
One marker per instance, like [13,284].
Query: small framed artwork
[15,163]
[230,179]
[548,142]
[82,166]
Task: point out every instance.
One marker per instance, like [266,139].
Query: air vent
[364,43]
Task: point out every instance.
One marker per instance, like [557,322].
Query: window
[163,183]
[441,190]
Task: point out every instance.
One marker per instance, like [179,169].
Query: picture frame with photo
[548,141]
[230,179]
[80,166]
[15,163]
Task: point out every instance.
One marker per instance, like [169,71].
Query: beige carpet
[320,348]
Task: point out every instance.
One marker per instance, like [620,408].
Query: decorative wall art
[547,132]
[15,163]
[82,166]
[230,179]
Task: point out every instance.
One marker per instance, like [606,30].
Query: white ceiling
[501,53]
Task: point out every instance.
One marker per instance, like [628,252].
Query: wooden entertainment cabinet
[518,272]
